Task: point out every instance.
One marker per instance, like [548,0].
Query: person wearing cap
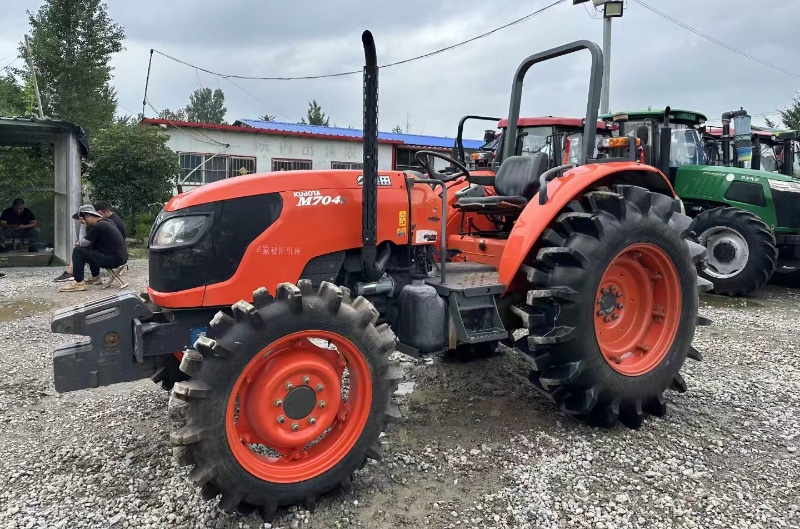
[102,247]
[105,210]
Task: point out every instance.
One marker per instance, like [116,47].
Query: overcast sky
[654,62]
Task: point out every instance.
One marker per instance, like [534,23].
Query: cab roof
[676,115]
[549,121]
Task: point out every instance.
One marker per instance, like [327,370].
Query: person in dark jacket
[19,222]
[102,247]
[105,210]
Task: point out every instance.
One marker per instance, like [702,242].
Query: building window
[284,164]
[192,168]
[239,165]
[199,168]
[347,165]
[406,160]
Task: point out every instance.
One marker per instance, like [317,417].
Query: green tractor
[748,220]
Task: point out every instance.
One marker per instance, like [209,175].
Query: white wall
[266,147]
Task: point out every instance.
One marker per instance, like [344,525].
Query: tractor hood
[731,173]
[274,182]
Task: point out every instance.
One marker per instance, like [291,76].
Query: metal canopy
[69,145]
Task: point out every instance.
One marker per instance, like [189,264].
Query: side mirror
[489,135]
[642,134]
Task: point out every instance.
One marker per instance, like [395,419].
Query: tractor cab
[670,138]
[768,148]
[558,138]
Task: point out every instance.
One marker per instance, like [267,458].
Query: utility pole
[604,92]
[33,74]
[611,9]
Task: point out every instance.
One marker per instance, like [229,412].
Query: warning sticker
[401,232]
[401,220]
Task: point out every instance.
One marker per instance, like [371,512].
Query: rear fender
[535,218]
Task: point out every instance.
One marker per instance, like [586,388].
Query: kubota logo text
[315,198]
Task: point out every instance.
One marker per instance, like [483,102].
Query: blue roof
[406,139]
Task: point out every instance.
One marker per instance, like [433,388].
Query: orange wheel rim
[288,418]
[637,309]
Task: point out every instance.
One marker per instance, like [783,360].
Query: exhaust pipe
[369,204]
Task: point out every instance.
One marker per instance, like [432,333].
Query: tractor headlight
[780,185]
[180,231]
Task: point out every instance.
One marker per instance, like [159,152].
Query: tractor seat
[516,183]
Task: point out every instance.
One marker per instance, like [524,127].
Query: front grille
[787,208]
[215,257]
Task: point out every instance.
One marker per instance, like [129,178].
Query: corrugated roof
[28,132]
[416,140]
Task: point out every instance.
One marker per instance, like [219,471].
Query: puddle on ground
[17,310]
[730,302]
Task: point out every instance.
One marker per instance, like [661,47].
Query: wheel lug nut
[281,419]
[612,288]
[312,420]
[306,380]
[604,291]
[619,294]
[599,312]
[295,427]
[606,319]
[289,385]
[620,306]
[278,402]
[615,316]
[321,404]
[320,387]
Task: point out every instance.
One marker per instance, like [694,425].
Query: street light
[612,9]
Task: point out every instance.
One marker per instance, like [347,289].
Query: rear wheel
[741,250]
[613,306]
[287,401]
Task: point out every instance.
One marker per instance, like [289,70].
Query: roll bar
[592,104]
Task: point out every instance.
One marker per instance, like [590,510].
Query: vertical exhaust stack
[369,211]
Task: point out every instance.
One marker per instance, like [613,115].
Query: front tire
[613,306]
[741,251]
[287,402]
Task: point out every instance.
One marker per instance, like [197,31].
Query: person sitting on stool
[105,210]
[18,222]
[102,247]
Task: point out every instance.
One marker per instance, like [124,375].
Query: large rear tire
[741,251]
[288,401]
[613,306]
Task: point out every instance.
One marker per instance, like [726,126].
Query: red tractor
[283,294]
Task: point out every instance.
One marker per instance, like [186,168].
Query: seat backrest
[519,175]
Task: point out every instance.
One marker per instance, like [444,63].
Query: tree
[12,97]
[72,44]
[791,115]
[131,168]
[398,129]
[315,115]
[268,117]
[771,124]
[177,115]
[206,106]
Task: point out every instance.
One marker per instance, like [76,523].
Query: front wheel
[287,402]
[613,306]
[741,251]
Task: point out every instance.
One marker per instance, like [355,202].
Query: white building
[210,152]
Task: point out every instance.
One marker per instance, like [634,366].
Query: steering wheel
[422,158]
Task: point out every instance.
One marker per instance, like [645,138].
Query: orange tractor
[284,294]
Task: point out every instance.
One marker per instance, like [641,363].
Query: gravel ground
[478,448]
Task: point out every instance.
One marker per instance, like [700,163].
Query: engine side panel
[321,214]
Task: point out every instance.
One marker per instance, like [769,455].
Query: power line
[353,72]
[716,41]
